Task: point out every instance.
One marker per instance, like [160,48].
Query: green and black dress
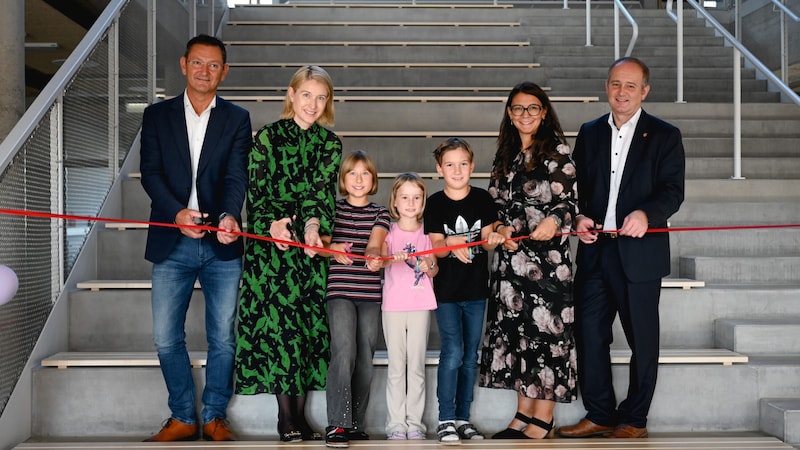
[282,332]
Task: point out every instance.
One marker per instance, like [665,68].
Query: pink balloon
[8,284]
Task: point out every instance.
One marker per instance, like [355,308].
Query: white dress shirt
[196,125]
[620,144]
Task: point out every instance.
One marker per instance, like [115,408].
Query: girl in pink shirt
[408,299]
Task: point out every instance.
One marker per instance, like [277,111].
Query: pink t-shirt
[404,288]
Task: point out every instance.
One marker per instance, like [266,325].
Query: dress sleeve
[564,187]
[259,214]
[320,199]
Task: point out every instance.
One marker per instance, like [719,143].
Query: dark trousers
[354,334]
[602,294]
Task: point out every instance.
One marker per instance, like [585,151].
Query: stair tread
[682,442]
[683,283]
[662,441]
[198,358]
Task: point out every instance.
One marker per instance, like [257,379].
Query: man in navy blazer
[194,168]
[630,171]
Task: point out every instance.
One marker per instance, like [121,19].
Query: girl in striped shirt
[354,299]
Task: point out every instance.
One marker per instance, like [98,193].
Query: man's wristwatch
[222,216]
[559,222]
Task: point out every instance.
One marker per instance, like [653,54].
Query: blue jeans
[173,283]
[460,329]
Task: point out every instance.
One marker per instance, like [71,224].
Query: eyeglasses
[533,109]
[212,66]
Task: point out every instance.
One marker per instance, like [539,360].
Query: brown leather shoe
[582,429]
[627,432]
[175,430]
[218,430]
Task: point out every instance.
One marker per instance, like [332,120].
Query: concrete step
[780,417]
[120,319]
[383,53]
[644,40]
[481,114]
[645,52]
[141,390]
[752,167]
[355,32]
[372,12]
[742,190]
[475,76]
[673,441]
[767,212]
[758,335]
[742,269]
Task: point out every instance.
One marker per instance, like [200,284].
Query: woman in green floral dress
[283,341]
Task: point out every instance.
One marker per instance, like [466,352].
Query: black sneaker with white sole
[336,437]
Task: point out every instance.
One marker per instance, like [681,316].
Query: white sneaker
[397,436]
[416,435]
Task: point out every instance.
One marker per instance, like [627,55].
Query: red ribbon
[27,213]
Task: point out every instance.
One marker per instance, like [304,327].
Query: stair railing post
[588,23]
[679,66]
[113,98]
[57,194]
[616,31]
[784,48]
[737,99]
[151,51]
[193,19]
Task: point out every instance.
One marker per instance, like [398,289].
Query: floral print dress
[528,345]
[283,342]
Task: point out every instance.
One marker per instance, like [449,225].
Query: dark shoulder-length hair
[547,137]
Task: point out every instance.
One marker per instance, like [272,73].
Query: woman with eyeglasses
[528,345]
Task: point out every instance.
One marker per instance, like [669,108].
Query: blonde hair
[310,72]
[407,177]
[349,162]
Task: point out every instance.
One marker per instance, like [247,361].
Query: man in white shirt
[631,169]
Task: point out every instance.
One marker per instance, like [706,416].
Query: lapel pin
[644,135]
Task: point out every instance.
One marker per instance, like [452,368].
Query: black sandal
[511,433]
[548,427]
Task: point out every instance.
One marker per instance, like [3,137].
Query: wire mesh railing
[65,153]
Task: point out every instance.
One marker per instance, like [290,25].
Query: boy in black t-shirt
[458,215]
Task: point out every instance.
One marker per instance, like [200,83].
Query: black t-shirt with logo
[456,281]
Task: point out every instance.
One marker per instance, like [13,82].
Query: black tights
[292,413]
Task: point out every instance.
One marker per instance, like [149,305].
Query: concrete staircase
[108,387]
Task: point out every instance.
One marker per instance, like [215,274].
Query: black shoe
[336,437]
[310,436]
[292,436]
[510,433]
[354,434]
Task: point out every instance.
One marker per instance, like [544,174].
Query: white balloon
[8,284]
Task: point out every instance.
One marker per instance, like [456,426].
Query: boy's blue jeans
[460,329]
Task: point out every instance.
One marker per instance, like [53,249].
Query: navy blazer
[653,181]
[167,171]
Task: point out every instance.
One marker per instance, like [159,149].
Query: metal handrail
[788,11]
[52,91]
[739,51]
[618,6]
[785,89]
